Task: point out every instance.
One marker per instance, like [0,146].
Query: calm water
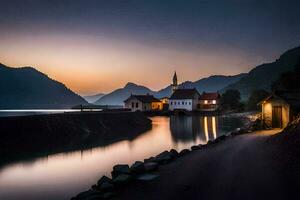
[63,175]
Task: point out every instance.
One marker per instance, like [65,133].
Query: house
[165,102]
[184,99]
[280,108]
[143,103]
[209,101]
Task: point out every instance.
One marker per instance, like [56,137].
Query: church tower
[175,84]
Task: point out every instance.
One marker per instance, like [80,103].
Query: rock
[104,179]
[106,186]
[210,142]
[195,148]
[122,179]
[174,153]
[108,195]
[90,194]
[164,157]
[147,177]
[222,137]
[137,167]
[184,152]
[151,159]
[120,169]
[150,166]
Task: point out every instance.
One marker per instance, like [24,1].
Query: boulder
[106,186]
[122,179]
[164,157]
[90,194]
[120,169]
[104,179]
[184,152]
[174,153]
[195,148]
[137,167]
[222,137]
[108,195]
[151,159]
[147,177]
[150,166]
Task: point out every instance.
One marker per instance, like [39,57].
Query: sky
[97,46]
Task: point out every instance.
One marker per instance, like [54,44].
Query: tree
[255,97]
[231,99]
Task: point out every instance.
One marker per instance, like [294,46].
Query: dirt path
[238,168]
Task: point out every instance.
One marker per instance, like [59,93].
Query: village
[277,110]
[181,101]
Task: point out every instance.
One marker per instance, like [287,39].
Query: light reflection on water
[63,175]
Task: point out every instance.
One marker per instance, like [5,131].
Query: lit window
[214,101]
[205,102]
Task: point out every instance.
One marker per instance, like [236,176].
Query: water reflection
[194,128]
[61,176]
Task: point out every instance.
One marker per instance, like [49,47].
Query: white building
[184,99]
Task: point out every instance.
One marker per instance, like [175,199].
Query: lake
[61,176]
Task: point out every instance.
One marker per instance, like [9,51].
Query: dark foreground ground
[260,165]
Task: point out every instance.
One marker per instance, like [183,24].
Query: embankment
[29,136]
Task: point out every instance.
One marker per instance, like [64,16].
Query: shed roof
[210,96]
[291,97]
[184,94]
[144,98]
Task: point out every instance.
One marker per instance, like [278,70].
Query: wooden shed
[280,108]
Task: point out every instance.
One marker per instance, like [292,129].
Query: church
[190,99]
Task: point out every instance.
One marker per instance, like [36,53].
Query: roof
[184,94]
[209,96]
[144,98]
[291,97]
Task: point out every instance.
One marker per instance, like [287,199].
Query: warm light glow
[206,129]
[205,102]
[214,127]
[214,102]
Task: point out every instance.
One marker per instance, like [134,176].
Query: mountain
[25,87]
[262,76]
[210,84]
[118,96]
[93,98]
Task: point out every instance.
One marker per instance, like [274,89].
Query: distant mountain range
[93,98]
[212,83]
[262,76]
[25,87]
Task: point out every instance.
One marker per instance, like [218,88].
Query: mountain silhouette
[25,88]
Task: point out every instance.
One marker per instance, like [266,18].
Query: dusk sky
[97,46]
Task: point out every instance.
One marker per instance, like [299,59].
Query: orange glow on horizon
[90,65]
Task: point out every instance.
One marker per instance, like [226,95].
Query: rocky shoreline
[26,137]
[147,170]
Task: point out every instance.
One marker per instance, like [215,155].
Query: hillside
[210,84]
[118,96]
[262,76]
[25,88]
[93,98]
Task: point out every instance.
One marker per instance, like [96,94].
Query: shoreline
[148,170]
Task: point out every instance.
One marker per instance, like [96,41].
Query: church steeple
[175,84]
